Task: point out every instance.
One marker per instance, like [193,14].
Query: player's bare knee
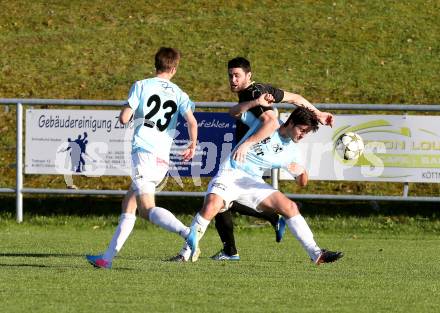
[289,210]
[294,208]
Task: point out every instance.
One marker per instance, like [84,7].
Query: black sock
[271,217]
[225,229]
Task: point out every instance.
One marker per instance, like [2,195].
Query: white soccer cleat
[222,256]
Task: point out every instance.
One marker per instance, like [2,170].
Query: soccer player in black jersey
[250,94]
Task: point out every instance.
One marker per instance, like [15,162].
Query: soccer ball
[349,146]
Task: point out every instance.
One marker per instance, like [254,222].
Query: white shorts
[236,185]
[147,172]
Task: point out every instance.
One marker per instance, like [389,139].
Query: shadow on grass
[62,266]
[68,255]
[39,255]
[47,255]
[30,265]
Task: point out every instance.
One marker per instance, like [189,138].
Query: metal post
[405,189]
[274,172]
[405,184]
[19,164]
[274,175]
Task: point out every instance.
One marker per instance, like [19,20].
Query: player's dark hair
[241,63]
[166,58]
[304,116]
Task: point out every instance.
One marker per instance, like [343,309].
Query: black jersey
[254,91]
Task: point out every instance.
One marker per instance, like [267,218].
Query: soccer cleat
[222,256]
[98,262]
[327,256]
[280,228]
[193,242]
[195,255]
[177,258]
[181,258]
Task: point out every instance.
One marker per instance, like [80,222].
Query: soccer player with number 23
[153,104]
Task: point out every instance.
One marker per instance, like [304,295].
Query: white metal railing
[19,190]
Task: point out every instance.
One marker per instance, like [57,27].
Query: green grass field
[385,269]
[329,51]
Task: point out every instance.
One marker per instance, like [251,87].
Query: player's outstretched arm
[264,100]
[299,172]
[190,151]
[325,118]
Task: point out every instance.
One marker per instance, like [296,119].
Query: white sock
[202,223]
[299,228]
[165,219]
[124,229]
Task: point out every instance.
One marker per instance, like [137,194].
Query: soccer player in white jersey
[241,181]
[154,105]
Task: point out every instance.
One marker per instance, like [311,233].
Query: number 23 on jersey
[160,114]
